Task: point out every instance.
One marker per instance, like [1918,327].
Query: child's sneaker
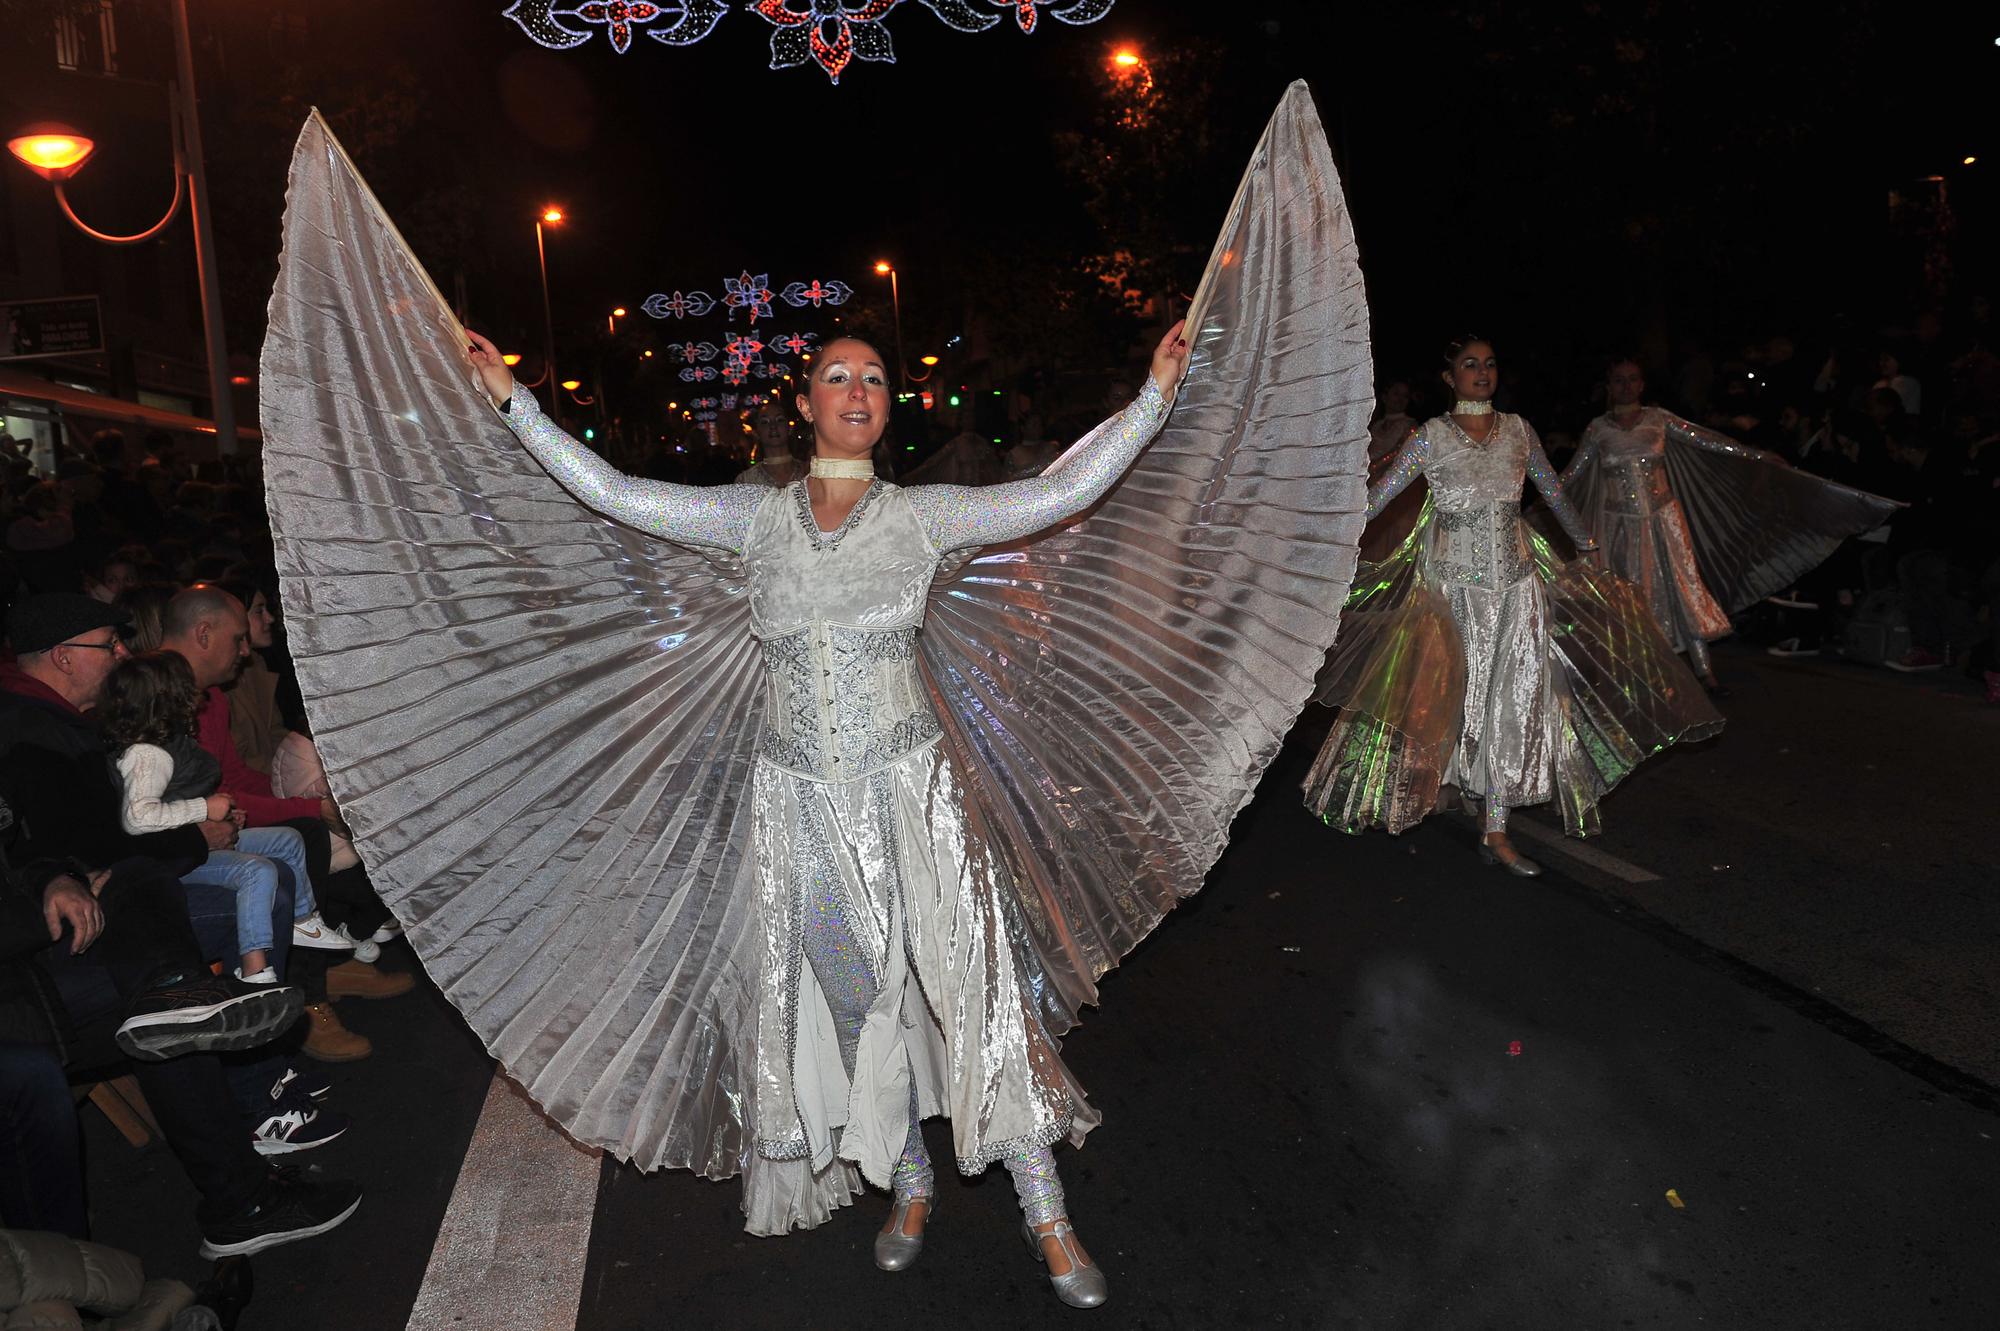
[265,976]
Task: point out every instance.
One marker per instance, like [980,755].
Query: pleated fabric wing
[1116,688]
[1758,526]
[540,724]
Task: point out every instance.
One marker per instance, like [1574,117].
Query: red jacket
[250,788]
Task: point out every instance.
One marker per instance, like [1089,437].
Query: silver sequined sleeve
[1543,474]
[1410,462]
[1586,449]
[716,515]
[1687,432]
[958,517]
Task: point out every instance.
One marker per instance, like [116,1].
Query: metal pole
[896,303]
[223,408]
[549,331]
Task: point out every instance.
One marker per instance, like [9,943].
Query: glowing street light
[572,384]
[1969,161]
[927,360]
[883,268]
[551,215]
[512,358]
[57,152]
[1126,58]
[53,152]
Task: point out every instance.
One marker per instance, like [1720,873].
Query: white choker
[843,469]
[1464,408]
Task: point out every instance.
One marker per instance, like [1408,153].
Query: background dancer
[1446,670]
[1643,478]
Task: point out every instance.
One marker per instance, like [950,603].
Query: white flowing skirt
[936,919]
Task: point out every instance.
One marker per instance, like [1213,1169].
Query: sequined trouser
[851,989]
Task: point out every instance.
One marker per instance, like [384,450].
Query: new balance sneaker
[296,1124]
[189,1011]
[312,931]
[289,1209]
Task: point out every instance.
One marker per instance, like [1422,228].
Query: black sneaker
[289,1209]
[189,1011]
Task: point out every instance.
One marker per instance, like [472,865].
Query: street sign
[64,326]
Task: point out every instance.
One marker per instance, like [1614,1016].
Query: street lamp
[883,268]
[550,216]
[616,315]
[56,153]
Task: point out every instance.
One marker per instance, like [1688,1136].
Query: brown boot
[329,1041]
[360,979]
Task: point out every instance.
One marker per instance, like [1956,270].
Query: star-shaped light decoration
[803,34]
[748,293]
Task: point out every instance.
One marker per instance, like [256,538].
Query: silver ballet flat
[895,1250]
[1520,865]
[1084,1286]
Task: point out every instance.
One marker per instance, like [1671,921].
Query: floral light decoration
[688,21]
[831,34]
[748,293]
[798,295]
[691,305]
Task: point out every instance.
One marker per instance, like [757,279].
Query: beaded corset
[838,615]
[1476,534]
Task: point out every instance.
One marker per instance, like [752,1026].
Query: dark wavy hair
[150,698]
[1456,347]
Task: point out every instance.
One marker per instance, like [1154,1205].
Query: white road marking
[1582,852]
[517,1231]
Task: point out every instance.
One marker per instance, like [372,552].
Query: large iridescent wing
[1114,689]
[1758,526]
[540,724]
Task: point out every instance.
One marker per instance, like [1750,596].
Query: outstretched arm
[1409,464]
[1687,432]
[959,517]
[1585,451]
[1543,474]
[693,515]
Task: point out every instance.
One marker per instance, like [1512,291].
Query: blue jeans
[254,872]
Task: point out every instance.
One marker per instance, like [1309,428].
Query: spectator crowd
[180,901]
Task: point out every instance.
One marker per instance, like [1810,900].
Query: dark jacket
[30,1011]
[56,774]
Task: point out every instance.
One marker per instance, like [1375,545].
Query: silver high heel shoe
[1084,1286]
[895,1250]
[1520,865]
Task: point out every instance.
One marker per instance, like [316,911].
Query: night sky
[1550,174]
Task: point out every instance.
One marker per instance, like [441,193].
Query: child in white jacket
[148,713]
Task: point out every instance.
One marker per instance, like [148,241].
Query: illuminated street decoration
[699,374]
[831,34]
[748,293]
[687,21]
[794,344]
[691,352]
[691,305]
[744,351]
[801,294]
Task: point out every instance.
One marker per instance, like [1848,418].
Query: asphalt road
[1768,988]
